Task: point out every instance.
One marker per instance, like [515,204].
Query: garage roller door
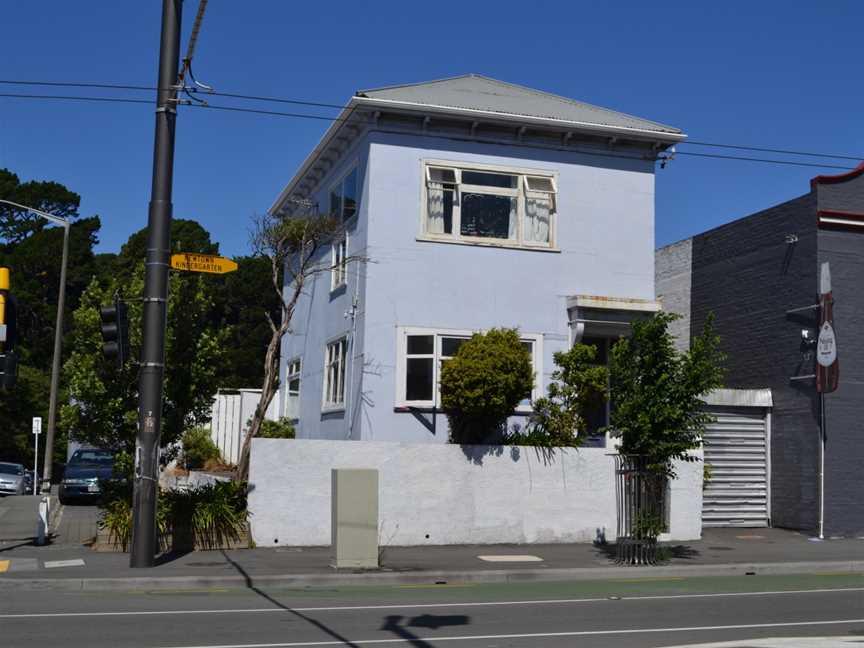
[736,448]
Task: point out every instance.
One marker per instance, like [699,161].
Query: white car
[11,479]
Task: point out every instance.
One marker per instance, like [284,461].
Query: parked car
[81,479]
[12,479]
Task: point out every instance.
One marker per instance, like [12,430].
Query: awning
[598,316]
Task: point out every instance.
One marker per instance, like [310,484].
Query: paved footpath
[720,552]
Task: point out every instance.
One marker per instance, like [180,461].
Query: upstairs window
[489,205]
[343,197]
[339,263]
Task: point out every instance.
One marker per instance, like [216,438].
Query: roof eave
[322,145]
[645,134]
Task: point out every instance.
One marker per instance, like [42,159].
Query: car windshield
[92,458]
[11,469]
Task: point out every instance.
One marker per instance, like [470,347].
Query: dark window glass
[418,386]
[487,216]
[349,194]
[335,202]
[489,179]
[450,345]
[448,212]
[421,345]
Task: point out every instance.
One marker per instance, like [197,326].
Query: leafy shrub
[281,429]
[198,448]
[210,516]
[560,418]
[483,384]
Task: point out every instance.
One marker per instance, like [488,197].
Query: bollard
[42,524]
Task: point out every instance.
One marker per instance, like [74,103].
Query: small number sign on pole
[37,430]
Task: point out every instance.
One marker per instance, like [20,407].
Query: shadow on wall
[476,453]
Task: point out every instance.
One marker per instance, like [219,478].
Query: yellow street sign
[202,263]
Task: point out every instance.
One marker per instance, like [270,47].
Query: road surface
[644,613]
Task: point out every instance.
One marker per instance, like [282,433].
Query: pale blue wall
[320,316]
[605,231]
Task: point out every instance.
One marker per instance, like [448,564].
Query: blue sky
[775,74]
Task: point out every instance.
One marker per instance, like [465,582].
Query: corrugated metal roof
[479,93]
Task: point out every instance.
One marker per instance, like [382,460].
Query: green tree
[561,417]
[52,197]
[483,384]
[659,413]
[103,400]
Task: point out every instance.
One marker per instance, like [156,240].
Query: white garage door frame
[758,402]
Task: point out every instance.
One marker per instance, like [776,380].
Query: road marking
[511,558]
[411,606]
[4,566]
[534,635]
[51,564]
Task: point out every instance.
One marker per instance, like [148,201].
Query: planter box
[106,544]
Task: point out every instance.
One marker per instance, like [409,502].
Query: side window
[292,404]
[336,355]
[339,263]
[343,196]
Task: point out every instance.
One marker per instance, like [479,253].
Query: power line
[320,104]
[276,113]
[771,150]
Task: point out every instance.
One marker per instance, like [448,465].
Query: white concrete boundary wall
[448,494]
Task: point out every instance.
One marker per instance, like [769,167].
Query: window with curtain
[476,205]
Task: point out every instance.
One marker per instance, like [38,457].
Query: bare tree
[293,246]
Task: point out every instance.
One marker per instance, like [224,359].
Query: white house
[478,204]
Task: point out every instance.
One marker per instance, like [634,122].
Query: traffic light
[115,331]
[8,333]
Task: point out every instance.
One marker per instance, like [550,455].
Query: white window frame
[337,361]
[338,187]
[290,374]
[402,334]
[339,262]
[519,192]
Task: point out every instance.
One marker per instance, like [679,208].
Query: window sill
[487,243]
[336,291]
[405,408]
[332,409]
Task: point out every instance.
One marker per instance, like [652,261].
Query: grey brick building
[750,273]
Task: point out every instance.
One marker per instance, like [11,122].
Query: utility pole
[155,309]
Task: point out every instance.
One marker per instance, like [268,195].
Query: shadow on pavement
[393,624]
[665,553]
[267,597]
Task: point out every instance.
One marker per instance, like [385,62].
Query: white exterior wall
[449,494]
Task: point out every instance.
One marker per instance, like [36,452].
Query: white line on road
[50,564]
[411,606]
[535,635]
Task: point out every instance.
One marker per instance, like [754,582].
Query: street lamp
[58,340]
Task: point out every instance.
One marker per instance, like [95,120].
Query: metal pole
[36,466]
[822,437]
[55,368]
[155,310]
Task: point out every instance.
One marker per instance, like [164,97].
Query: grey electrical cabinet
[354,522]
